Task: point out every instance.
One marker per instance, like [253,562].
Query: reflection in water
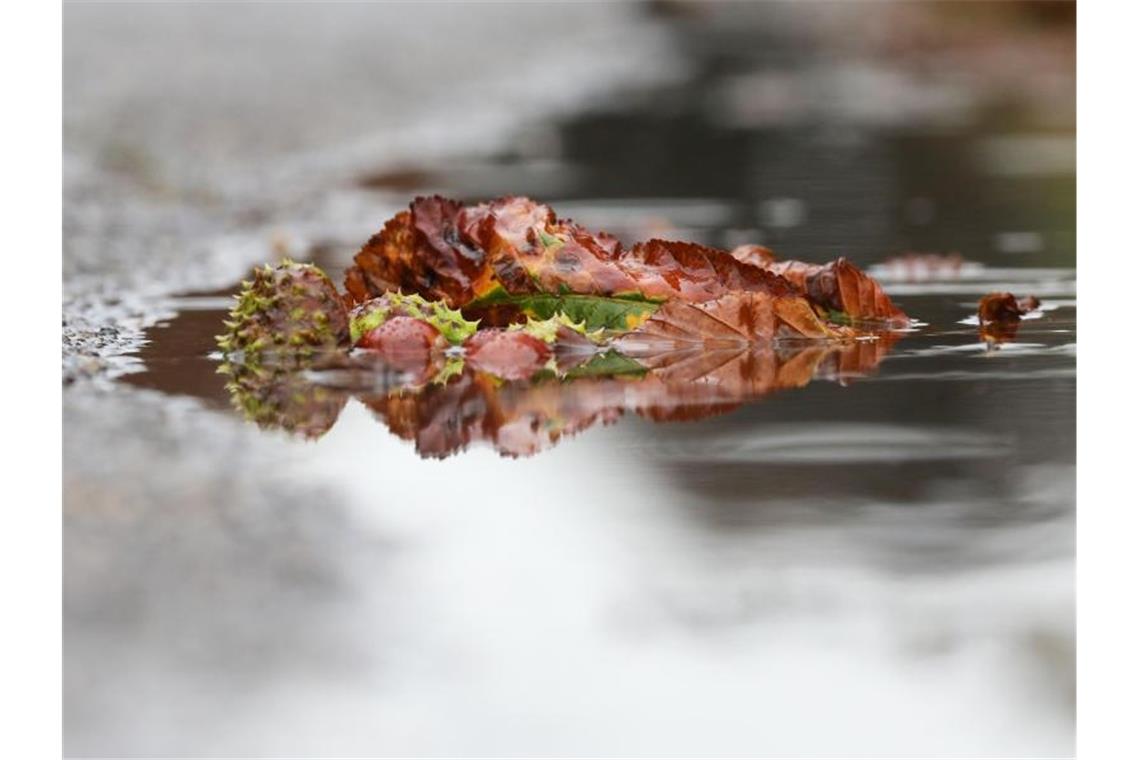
[444,406]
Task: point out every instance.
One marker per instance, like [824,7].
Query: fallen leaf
[756,255]
[999,316]
[513,257]
[730,321]
[847,292]
[1004,307]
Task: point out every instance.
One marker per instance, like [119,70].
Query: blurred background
[878,569]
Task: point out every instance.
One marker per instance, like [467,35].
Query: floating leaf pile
[513,256]
[501,322]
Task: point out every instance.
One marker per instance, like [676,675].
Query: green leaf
[593,312]
[608,364]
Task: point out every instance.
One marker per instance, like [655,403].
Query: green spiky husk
[547,329]
[291,312]
[373,313]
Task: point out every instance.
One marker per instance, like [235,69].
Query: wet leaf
[515,253]
[756,255]
[731,321]
[999,316]
[847,293]
[1004,307]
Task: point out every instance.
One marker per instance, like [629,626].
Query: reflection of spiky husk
[282,399]
[291,312]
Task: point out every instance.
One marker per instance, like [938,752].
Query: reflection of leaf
[523,418]
[993,334]
[609,364]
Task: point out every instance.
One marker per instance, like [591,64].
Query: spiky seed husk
[375,312]
[290,310]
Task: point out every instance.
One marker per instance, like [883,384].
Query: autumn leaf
[731,321]
[513,257]
[847,293]
[1004,307]
[999,316]
[756,255]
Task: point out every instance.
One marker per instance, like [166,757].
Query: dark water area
[896,542]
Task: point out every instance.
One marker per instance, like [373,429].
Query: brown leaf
[730,321]
[756,255]
[1004,307]
[838,286]
[494,258]
[999,316]
[460,254]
